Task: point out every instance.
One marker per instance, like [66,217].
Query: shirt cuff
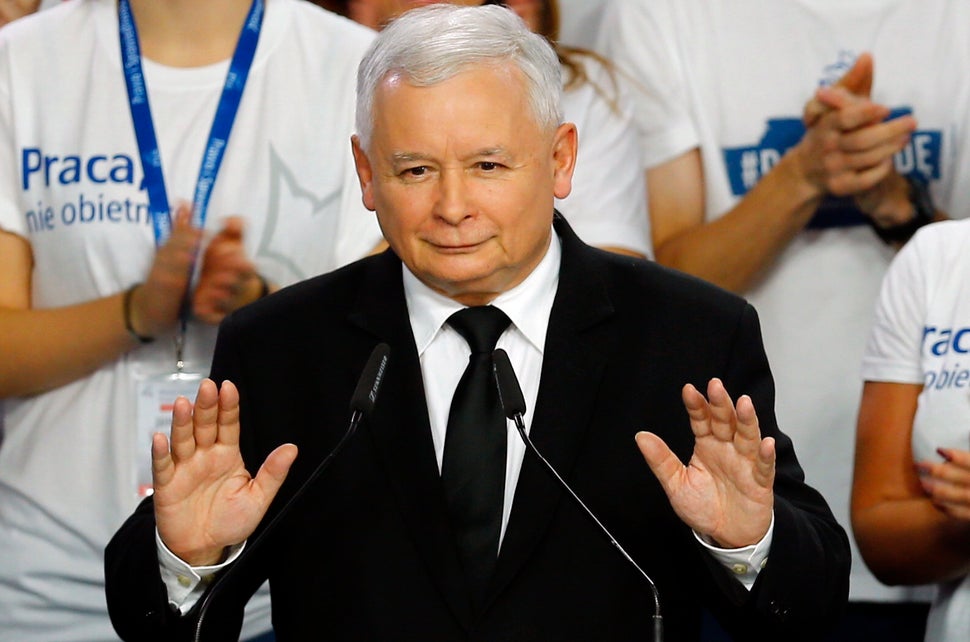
[744,563]
[185,584]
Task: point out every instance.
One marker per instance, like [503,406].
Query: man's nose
[452,202]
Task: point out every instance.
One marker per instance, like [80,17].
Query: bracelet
[126,311]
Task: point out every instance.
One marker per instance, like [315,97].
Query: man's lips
[457,247]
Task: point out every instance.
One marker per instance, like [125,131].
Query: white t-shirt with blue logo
[921,335]
[70,183]
[731,78]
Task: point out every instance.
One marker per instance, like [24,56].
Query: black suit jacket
[369,554]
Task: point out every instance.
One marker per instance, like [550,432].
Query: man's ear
[564,148]
[365,173]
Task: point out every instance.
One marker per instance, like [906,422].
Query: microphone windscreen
[509,392]
[370,380]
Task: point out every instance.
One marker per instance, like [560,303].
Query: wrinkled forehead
[511,89]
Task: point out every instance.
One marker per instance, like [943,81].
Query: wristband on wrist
[126,311]
[923,213]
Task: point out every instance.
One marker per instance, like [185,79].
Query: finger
[859,113]
[163,468]
[765,464]
[951,474]
[227,240]
[229,277]
[747,438]
[849,183]
[814,109]
[232,227]
[723,415]
[873,136]
[830,98]
[183,232]
[183,216]
[956,511]
[229,414]
[209,315]
[183,437]
[221,249]
[872,156]
[206,414]
[960,458]
[697,409]
[858,79]
[946,492]
[273,472]
[179,250]
[663,462]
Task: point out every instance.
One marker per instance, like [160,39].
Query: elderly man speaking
[435,522]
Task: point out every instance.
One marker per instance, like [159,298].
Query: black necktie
[473,466]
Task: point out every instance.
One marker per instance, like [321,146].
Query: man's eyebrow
[407,157]
[491,151]
[410,157]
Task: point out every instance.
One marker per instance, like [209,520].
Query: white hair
[432,44]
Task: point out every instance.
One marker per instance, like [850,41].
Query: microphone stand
[513,403]
[361,403]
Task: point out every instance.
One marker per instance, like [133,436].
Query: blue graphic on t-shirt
[747,165]
[45,175]
[938,343]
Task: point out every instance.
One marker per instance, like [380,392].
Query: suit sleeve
[803,588]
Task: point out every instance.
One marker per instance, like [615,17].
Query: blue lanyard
[141,116]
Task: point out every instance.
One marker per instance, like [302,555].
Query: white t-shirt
[70,179]
[608,202]
[921,335]
[580,21]
[731,77]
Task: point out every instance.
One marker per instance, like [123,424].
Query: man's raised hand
[205,499]
[726,489]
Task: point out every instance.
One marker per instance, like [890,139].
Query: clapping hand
[227,278]
[849,147]
[725,491]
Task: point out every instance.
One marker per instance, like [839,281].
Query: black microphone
[361,404]
[513,403]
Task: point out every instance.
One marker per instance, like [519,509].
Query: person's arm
[847,150]
[733,250]
[891,511]
[10,10]
[46,348]
[742,473]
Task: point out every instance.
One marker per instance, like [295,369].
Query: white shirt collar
[528,304]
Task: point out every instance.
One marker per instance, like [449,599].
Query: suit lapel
[401,432]
[574,359]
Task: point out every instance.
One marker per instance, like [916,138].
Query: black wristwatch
[923,213]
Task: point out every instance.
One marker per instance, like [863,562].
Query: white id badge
[156,395]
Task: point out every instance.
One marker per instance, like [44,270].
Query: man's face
[463,180]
